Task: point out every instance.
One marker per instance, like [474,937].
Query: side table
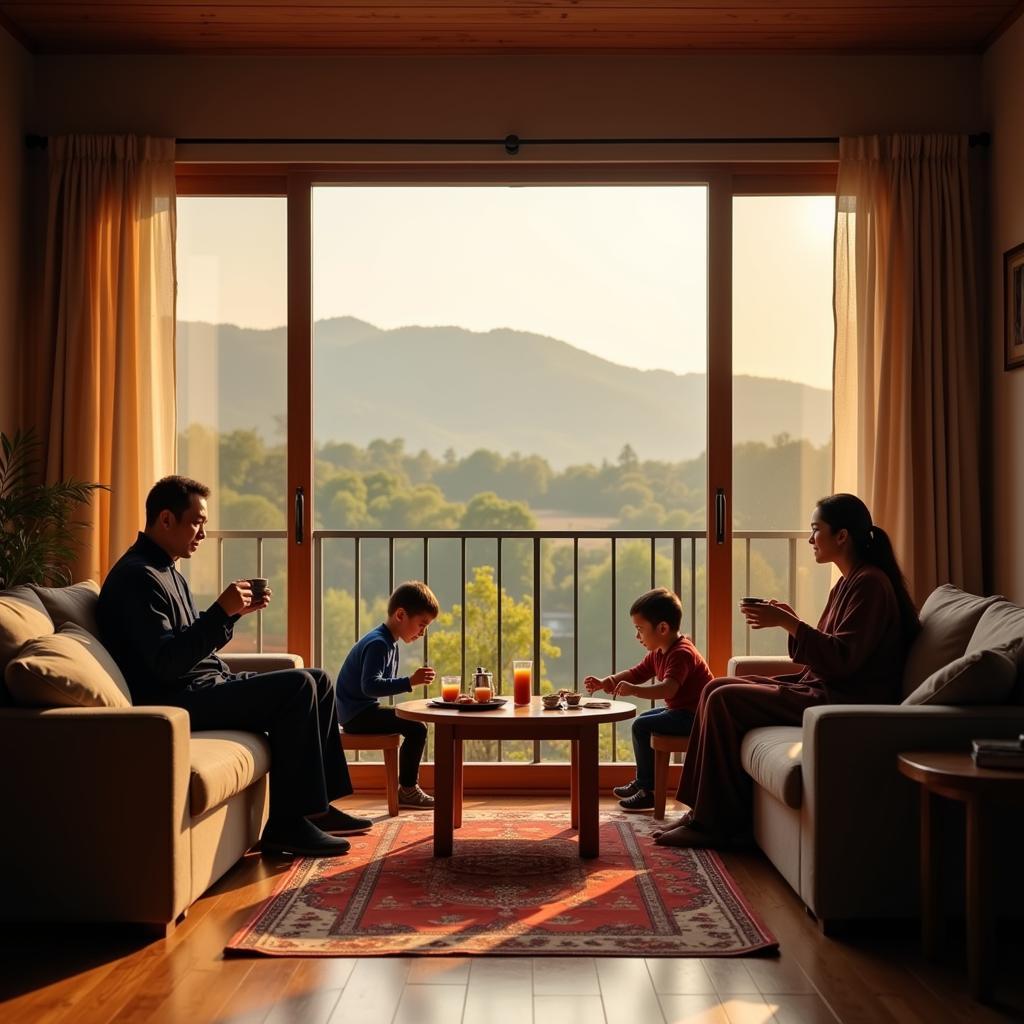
[952,774]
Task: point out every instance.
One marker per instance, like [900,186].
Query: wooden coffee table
[528,722]
[953,774]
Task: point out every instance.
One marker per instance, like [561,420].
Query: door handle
[300,514]
[720,516]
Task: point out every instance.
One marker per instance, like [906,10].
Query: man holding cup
[166,648]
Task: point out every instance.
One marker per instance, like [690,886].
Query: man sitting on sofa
[165,647]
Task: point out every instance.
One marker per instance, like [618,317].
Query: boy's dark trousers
[414,738]
[666,721]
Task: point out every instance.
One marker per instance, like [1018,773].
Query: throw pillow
[75,604]
[948,619]
[22,618]
[981,677]
[70,668]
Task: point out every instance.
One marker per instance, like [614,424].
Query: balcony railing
[680,547]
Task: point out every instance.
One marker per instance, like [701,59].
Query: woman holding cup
[854,656]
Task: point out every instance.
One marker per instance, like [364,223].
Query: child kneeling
[679,672]
[371,671]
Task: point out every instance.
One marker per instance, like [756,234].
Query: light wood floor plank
[565,976]
[566,1009]
[693,1009]
[627,991]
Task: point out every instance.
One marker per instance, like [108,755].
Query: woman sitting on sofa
[855,656]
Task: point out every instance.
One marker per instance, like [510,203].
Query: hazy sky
[617,271]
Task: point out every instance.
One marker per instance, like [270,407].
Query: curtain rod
[512,143]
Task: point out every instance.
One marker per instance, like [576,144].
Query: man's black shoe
[301,838]
[338,823]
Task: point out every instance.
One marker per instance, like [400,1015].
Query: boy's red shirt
[682,662]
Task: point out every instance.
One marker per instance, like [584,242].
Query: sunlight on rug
[515,885]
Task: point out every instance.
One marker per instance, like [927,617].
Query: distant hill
[447,387]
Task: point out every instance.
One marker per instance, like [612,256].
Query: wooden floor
[875,975]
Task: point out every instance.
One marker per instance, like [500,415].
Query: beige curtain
[101,382]
[907,363]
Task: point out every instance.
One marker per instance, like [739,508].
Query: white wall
[15,83]
[1004,94]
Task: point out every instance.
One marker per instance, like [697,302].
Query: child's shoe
[639,802]
[414,797]
[627,790]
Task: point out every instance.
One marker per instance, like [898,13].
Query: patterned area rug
[514,886]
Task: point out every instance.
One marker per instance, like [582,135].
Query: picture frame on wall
[1013,306]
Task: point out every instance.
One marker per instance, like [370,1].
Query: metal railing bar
[792,572]
[462,584]
[576,614]
[615,665]
[391,564]
[259,615]
[318,605]
[536,632]
[426,579]
[497,562]
[356,574]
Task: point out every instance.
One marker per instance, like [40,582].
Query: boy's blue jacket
[370,671]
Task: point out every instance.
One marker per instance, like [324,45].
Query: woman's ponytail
[879,552]
[872,545]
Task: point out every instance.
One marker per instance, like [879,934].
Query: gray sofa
[111,813]
[831,810]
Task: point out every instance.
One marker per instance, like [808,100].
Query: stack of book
[999,753]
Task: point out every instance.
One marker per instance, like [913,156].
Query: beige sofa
[111,813]
[831,810]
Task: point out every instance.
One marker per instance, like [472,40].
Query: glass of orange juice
[451,686]
[522,681]
[483,688]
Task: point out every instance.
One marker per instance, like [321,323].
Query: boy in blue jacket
[371,671]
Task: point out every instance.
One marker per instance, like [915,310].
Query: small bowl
[573,699]
[551,701]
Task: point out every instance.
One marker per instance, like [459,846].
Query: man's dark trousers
[297,710]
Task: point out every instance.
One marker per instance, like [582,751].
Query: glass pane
[782,402]
[232,396]
[512,359]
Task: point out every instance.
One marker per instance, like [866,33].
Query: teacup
[573,699]
[550,700]
[259,586]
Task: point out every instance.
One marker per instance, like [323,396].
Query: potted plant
[37,531]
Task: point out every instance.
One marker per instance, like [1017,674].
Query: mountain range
[448,387]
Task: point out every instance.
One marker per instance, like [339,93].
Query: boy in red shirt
[679,673]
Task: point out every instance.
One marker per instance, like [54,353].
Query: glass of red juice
[522,681]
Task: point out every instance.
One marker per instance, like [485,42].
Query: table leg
[457,785]
[444,788]
[590,842]
[574,783]
[931,912]
[979,904]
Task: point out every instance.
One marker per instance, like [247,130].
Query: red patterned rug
[514,886]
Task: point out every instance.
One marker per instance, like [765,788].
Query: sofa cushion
[981,677]
[75,604]
[69,668]
[22,618]
[224,763]
[772,758]
[1001,622]
[948,619]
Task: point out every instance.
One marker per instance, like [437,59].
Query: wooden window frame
[724,181]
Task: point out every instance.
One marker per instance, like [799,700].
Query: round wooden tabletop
[533,716]
[952,769]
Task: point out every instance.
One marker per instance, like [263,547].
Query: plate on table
[488,705]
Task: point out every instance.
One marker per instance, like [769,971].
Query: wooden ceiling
[506,26]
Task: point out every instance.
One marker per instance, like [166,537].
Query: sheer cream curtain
[907,362]
[100,384]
